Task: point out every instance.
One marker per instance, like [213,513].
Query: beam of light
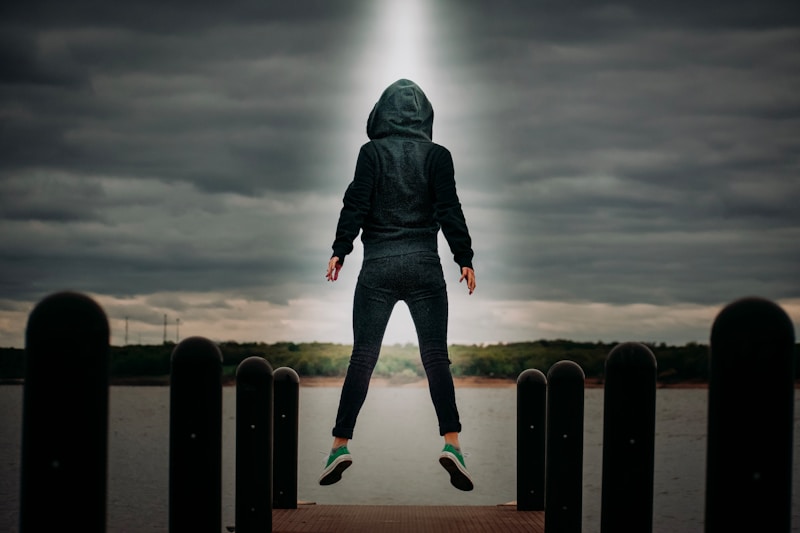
[417,40]
[396,40]
[401,43]
[393,39]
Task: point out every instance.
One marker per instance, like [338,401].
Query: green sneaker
[338,461]
[452,461]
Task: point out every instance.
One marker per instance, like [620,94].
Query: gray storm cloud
[620,154]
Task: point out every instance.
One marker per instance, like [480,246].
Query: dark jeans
[416,279]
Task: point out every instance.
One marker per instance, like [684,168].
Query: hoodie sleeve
[357,202]
[448,207]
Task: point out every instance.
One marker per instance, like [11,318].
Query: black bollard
[564,455]
[195,437]
[750,418]
[287,424]
[629,415]
[531,419]
[65,416]
[254,432]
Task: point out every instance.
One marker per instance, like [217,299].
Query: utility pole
[165,328]
[177,330]
[126,331]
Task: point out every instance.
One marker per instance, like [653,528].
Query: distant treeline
[675,363]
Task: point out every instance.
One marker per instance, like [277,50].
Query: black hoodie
[404,189]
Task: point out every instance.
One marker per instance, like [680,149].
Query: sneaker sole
[459,477]
[333,473]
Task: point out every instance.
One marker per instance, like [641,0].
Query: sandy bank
[468,382]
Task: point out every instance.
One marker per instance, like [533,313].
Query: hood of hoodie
[402,110]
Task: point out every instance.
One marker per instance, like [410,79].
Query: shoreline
[461,382]
[474,382]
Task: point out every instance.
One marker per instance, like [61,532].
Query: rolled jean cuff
[343,433]
[452,427]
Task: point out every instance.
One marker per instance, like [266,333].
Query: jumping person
[402,193]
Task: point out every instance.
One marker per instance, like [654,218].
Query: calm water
[395,449]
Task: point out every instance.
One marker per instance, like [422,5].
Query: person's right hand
[468,274]
[334,266]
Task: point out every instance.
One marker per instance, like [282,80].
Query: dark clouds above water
[625,153]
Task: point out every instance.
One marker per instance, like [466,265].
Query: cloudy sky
[626,169]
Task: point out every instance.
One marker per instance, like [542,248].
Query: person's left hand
[468,274]
[334,266]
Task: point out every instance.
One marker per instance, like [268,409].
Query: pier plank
[406,519]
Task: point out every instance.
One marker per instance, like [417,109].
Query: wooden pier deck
[406,519]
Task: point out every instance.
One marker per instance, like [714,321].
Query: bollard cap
[631,355]
[756,334]
[286,374]
[752,320]
[254,365]
[565,371]
[196,349]
[66,316]
[531,376]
